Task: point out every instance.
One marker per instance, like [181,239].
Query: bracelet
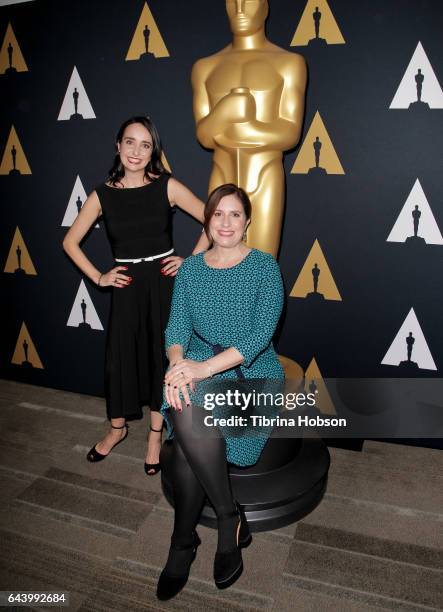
[99,279]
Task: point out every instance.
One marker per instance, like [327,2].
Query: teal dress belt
[217,349]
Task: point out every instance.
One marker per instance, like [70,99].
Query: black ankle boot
[170,584]
[228,565]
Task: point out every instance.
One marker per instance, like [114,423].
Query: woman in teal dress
[225,308]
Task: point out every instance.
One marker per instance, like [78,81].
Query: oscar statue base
[84,326]
[286,484]
[415,240]
[314,296]
[409,367]
[147,58]
[318,171]
[419,106]
[319,43]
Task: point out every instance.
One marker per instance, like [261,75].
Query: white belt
[145,258]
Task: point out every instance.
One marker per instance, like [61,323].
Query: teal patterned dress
[234,307]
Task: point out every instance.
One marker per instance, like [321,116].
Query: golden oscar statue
[248,105]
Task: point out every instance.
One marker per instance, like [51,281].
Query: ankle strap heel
[94,456]
[151,469]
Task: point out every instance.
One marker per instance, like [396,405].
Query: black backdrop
[383,151]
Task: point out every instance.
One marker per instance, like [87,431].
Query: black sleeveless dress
[138,222]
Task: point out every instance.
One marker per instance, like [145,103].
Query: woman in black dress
[136,203]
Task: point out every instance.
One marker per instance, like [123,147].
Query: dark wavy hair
[219,193]
[155,165]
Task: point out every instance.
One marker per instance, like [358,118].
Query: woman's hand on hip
[114,278]
[173,263]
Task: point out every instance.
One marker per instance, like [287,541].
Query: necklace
[132,186]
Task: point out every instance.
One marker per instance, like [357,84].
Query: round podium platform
[286,484]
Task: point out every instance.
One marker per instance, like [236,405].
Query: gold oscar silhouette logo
[147,42]
[292,369]
[317,154]
[25,353]
[14,160]
[317,27]
[11,57]
[315,281]
[314,383]
[19,260]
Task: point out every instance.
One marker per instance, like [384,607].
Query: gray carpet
[101,531]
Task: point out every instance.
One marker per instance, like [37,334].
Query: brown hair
[217,195]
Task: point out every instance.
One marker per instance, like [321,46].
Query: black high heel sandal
[93,456]
[169,585]
[228,566]
[153,466]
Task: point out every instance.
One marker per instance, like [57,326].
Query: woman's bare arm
[179,195]
[86,218]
